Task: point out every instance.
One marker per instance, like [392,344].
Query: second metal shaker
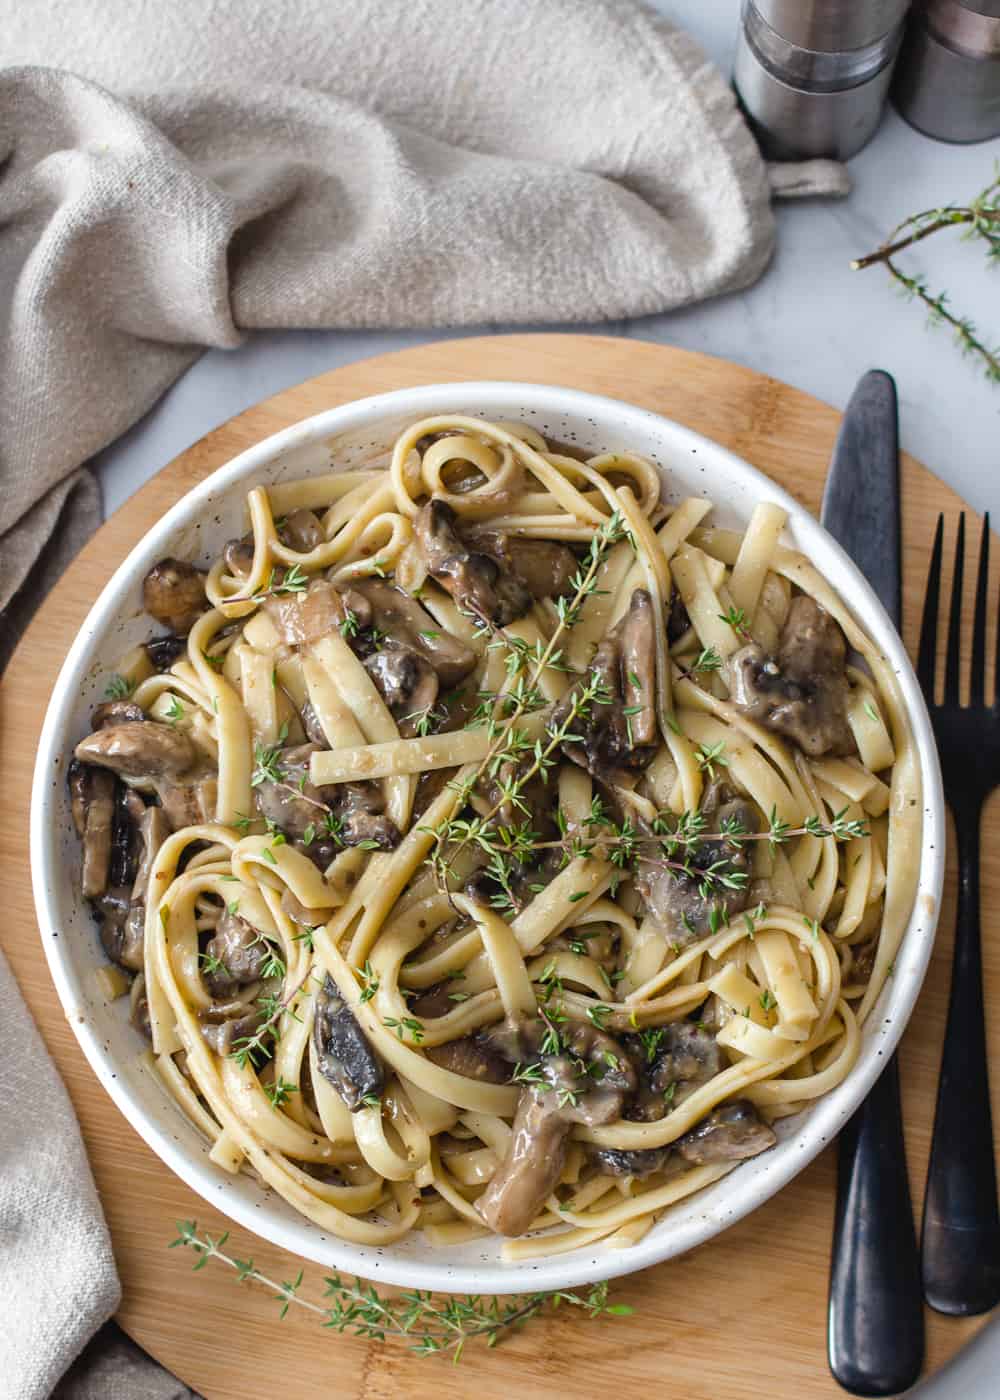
[948,80]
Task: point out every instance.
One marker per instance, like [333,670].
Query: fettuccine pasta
[488,847]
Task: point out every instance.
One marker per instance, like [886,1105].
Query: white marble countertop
[809,321]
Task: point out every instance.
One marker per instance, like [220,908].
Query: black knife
[876,1324]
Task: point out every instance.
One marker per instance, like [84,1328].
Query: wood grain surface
[741,1318]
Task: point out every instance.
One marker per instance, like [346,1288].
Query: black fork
[960,1248]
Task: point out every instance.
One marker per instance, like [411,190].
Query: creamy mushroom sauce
[488,846]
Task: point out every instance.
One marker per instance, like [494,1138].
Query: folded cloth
[57,1273]
[177,175]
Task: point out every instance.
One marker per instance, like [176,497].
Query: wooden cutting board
[741,1318]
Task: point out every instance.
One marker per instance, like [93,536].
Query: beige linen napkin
[178,174]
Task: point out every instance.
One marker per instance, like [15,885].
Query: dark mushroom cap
[685,905]
[617,738]
[407,682]
[92,803]
[729,1133]
[477,582]
[302,530]
[240,948]
[343,1054]
[164,651]
[802,692]
[402,618]
[174,593]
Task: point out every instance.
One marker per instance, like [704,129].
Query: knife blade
[875,1340]
[861,500]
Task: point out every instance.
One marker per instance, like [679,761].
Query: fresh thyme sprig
[248,1048]
[508,745]
[676,843]
[292,581]
[455,835]
[118,687]
[431,1325]
[707,661]
[980,220]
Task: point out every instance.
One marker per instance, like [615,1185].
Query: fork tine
[953,656]
[927,649]
[977,680]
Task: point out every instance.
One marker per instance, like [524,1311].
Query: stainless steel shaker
[948,79]
[813,75]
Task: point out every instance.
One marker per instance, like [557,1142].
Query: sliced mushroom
[474,580]
[164,651]
[567,1091]
[124,941]
[638,1162]
[802,692]
[292,802]
[637,639]
[343,1054]
[138,1003]
[140,749]
[686,1055]
[112,909]
[317,612]
[116,712]
[360,808]
[407,682]
[430,785]
[92,801]
[474,1056]
[616,737]
[530,1171]
[126,843]
[686,906]
[174,593]
[671,1063]
[299,808]
[234,954]
[238,556]
[542,566]
[225,1036]
[302,531]
[402,618]
[729,1134]
[678,621]
[188,804]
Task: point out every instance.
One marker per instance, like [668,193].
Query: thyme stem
[981,219]
[432,1325]
[568,615]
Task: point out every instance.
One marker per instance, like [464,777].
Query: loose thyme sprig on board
[432,1325]
[980,219]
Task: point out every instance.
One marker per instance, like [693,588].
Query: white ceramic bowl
[196,528]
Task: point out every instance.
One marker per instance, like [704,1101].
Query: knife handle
[876,1321]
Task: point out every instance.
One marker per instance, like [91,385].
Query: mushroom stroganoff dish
[487,846]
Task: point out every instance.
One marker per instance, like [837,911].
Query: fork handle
[876,1321]
[960,1247]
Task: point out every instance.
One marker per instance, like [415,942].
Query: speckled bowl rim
[476,1267]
